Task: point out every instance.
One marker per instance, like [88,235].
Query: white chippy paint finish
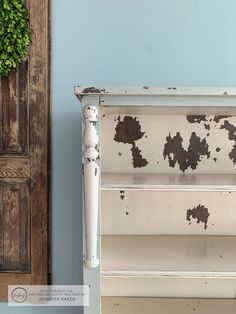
[91,276]
[91,172]
[119,305]
[197,272]
[82,91]
[186,182]
[117,156]
[169,287]
[164,212]
[187,256]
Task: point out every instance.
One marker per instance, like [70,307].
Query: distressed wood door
[24,161]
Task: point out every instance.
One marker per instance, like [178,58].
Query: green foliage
[14,34]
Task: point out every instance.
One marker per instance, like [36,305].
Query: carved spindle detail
[91,184]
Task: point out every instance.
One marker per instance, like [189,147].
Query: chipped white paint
[169,287]
[162,256]
[157,130]
[83,91]
[91,184]
[164,212]
[119,305]
[186,182]
[150,248]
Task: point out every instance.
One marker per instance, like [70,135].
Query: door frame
[40,139]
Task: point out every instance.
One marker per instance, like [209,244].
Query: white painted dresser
[159,181]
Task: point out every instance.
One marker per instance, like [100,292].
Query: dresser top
[82,91]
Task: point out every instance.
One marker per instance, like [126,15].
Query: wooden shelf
[118,305]
[176,256]
[111,181]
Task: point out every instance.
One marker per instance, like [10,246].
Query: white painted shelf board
[161,256]
[167,106]
[119,305]
[153,90]
[111,181]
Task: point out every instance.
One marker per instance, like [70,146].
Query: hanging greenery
[15,34]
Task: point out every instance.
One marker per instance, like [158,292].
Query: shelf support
[91,173]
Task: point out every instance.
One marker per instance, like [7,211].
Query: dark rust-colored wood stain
[190,158]
[200,213]
[232,137]
[129,131]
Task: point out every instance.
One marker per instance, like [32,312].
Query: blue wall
[139,42]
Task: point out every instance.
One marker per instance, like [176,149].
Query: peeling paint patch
[200,213]
[189,158]
[207,126]
[122,195]
[218,149]
[232,137]
[138,160]
[91,90]
[119,154]
[215,159]
[196,118]
[218,118]
[128,131]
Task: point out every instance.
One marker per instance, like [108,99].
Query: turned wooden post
[91,172]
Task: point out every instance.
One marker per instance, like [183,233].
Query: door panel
[15,124]
[15,226]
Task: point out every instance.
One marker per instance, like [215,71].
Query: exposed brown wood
[39,138]
[15,111]
[12,279]
[1,227]
[11,167]
[15,225]
[24,161]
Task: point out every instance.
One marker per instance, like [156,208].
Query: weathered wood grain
[14,107]
[12,167]
[24,161]
[39,138]
[12,279]
[15,225]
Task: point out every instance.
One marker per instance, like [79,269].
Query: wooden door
[24,161]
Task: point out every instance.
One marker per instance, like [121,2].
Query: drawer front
[168,143]
[169,287]
[155,212]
